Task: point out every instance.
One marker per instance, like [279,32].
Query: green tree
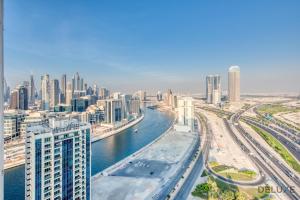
[240,196]
[213,189]
[228,195]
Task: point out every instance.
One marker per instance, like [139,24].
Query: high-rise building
[185,114]
[213,89]
[45,88]
[12,124]
[81,84]
[19,98]
[79,104]
[113,110]
[6,91]
[32,90]
[159,96]
[234,84]
[168,97]
[69,93]
[73,83]
[23,97]
[14,99]
[54,93]
[58,160]
[104,93]
[95,90]
[142,95]
[77,81]
[63,87]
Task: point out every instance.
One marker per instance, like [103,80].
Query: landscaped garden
[214,189]
[232,173]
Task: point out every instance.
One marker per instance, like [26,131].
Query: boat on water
[136,130]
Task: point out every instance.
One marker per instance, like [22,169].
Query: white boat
[136,130]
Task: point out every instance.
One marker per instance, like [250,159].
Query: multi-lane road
[271,165]
[187,186]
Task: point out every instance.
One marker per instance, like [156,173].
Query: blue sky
[155,45]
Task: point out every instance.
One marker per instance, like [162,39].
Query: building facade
[54,93]
[213,89]
[45,89]
[58,161]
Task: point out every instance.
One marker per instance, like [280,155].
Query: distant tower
[45,88]
[14,99]
[234,84]
[63,87]
[69,93]
[213,89]
[32,90]
[77,81]
[23,97]
[185,114]
[81,84]
[54,93]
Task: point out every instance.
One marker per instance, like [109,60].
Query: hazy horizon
[155,45]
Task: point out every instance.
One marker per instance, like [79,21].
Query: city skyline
[155,52]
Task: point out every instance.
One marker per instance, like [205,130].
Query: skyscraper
[77,81]
[45,88]
[58,160]
[63,87]
[19,98]
[104,93]
[23,97]
[234,84]
[81,84]
[213,89]
[185,114]
[14,99]
[69,93]
[32,90]
[54,93]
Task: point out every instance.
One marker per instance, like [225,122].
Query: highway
[279,123]
[291,146]
[293,137]
[276,171]
[187,187]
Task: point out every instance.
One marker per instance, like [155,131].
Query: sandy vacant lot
[224,149]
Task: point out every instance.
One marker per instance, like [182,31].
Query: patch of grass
[237,176]
[213,163]
[233,173]
[279,148]
[216,189]
[274,108]
[220,168]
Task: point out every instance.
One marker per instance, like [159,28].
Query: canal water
[105,152]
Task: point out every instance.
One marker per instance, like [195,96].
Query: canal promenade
[99,136]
